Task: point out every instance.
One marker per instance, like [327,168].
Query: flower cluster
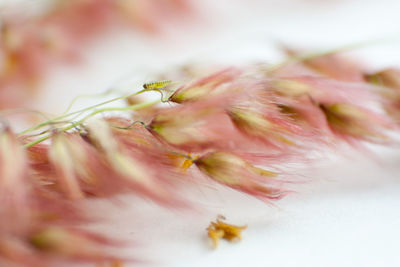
[219,128]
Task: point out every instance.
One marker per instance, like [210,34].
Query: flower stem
[40,125]
[73,125]
[133,107]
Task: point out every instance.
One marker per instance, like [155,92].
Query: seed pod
[233,171]
[255,124]
[347,119]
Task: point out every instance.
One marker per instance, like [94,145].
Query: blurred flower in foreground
[30,45]
[26,209]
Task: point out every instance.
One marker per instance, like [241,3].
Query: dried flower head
[220,229]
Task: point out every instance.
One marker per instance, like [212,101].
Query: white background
[348,215]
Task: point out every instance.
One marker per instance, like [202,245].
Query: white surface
[348,216]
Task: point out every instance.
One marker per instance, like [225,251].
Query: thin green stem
[133,107]
[75,99]
[40,125]
[73,125]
